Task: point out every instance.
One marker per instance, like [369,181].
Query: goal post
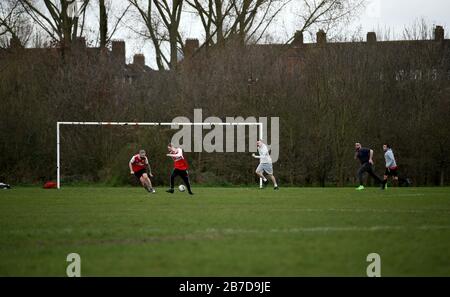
[59,124]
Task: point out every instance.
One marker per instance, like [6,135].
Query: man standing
[391,164]
[265,164]
[365,155]
[180,168]
[138,166]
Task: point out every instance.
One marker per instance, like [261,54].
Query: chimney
[298,38]
[439,33]
[139,60]
[118,51]
[321,37]
[190,47]
[371,37]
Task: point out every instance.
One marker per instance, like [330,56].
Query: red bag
[50,185]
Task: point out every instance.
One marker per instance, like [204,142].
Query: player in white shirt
[265,164]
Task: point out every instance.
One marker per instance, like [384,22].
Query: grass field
[225,231]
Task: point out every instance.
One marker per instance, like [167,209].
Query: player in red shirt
[138,166]
[180,167]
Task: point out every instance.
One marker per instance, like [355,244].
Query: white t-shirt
[264,156]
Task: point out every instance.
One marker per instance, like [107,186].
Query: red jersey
[179,162]
[138,163]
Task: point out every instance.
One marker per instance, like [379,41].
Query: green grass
[225,231]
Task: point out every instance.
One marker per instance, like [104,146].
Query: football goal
[142,124]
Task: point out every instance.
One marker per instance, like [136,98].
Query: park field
[225,231]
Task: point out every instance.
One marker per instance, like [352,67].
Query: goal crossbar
[58,132]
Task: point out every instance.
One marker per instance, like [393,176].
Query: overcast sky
[396,14]
[379,15]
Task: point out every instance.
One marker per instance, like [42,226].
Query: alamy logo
[374,268]
[74,268]
[226,136]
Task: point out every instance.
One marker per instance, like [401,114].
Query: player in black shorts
[138,167]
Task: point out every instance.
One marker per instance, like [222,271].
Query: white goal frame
[59,124]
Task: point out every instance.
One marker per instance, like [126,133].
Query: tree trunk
[103,24]
[173,47]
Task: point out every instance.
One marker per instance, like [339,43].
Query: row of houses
[294,55]
[291,55]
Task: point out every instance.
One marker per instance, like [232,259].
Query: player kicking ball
[180,168]
[138,167]
[265,164]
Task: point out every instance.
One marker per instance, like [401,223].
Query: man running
[180,168]
[391,164]
[138,167]
[265,164]
[365,155]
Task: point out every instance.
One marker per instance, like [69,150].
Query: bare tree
[245,19]
[162,20]
[59,19]
[153,30]
[14,24]
[213,15]
[326,14]
[103,23]
[110,17]
[246,12]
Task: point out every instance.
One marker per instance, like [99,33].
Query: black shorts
[139,173]
[391,172]
[180,172]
